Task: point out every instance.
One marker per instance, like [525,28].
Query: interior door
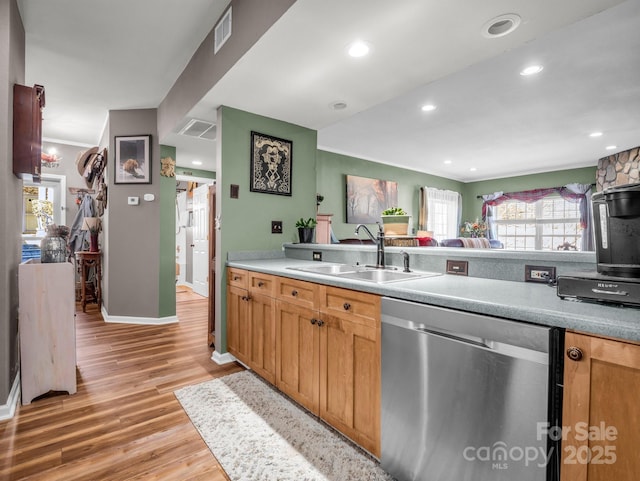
[201,240]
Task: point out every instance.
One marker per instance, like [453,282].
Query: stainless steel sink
[383,276]
[327,269]
[365,273]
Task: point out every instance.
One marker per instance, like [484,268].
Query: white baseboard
[9,409]
[225,358]
[149,321]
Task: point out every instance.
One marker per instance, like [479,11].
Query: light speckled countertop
[528,302]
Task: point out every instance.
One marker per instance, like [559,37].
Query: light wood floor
[124,423]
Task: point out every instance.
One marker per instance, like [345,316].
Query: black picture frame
[133,159]
[271,164]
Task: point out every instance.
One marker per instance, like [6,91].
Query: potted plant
[395,221]
[306,229]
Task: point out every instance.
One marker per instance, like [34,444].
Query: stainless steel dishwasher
[467,397]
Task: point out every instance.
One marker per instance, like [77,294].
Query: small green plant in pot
[395,221]
[306,229]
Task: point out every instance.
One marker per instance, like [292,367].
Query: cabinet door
[297,353]
[27,130]
[350,379]
[263,336]
[238,326]
[601,416]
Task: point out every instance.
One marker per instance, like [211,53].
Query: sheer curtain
[440,212]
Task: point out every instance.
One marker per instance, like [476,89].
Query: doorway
[191,226]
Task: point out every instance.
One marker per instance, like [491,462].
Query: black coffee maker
[616,215]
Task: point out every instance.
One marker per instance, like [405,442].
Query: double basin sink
[365,273]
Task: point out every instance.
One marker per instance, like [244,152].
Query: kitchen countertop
[520,301]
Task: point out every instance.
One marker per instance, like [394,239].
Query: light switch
[133,200]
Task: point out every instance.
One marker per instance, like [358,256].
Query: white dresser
[47,328]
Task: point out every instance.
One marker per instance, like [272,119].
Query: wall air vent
[222,31]
[200,129]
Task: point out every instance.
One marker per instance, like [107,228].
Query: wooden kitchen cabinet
[298,353]
[28,103]
[238,340]
[251,321]
[328,356]
[350,364]
[318,344]
[601,417]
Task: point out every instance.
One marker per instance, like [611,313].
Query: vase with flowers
[474,229]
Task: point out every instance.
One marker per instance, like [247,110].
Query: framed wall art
[367,198]
[133,159]
[271,163]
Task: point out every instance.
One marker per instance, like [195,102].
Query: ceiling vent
[200,129]
[222,31]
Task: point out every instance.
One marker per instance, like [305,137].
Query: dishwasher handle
[475,341]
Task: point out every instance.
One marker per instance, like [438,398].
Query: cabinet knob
[313,321]
[574,353]
[294,293]
[320,323]
[260,284]
[236,278]
[346,306]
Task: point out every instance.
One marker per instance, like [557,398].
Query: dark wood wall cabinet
[28,103]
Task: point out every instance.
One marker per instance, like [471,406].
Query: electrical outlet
[459,268]
[276,227]
[317,256]
[539,273]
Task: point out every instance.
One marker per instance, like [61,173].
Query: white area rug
[258,435]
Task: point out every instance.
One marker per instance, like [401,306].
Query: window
[551,223]
[43,203]
[442,212]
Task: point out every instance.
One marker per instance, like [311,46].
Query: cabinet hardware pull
[574,353]
[236,278]
[346,306]
[320,323]
[294,293]
[313,321]
[260,284]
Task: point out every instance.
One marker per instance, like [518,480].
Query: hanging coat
[79,238]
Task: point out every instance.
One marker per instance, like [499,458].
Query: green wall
[472,206]
[206,174]
[246,221]
[331,183]
[167,274]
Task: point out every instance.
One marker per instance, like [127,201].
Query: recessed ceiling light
[448,161]
[531,70]
[196,162]
[501,25]
[611,147]
[428,108]
[473,169]
[359,49]
[338,105]
[595,134]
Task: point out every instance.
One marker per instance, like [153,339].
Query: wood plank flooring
[124,423]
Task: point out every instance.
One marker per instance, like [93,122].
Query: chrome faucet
[378,240]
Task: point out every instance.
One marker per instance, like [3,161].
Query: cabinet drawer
[353,305]
[297,292]
[262,284]
[238,278]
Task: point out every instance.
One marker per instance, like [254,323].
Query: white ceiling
[488,116]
